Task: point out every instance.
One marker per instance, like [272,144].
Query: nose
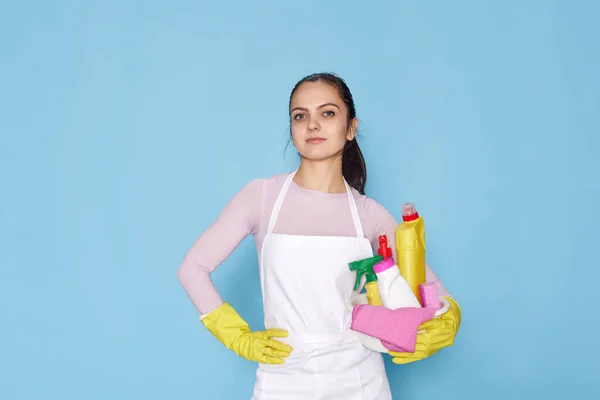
[313,125]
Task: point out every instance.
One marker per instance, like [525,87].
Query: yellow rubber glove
[231,330]
[439,333]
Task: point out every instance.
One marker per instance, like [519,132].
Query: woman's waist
[311,324]
[331,352]
[299,337]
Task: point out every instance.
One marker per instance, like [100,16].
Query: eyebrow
[318,108]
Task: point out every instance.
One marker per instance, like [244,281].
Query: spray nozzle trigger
[384,250]
[365,267]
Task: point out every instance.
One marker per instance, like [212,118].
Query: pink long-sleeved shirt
[304,212]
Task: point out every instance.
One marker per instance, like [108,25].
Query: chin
[317,155]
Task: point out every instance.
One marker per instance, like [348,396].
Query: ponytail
[354,168]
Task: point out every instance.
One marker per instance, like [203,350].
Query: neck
[321,176]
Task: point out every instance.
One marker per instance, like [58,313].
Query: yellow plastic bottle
[373,296]
[410,248]
[365,267]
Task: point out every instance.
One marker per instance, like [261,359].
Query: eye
[298,117]
[329,113]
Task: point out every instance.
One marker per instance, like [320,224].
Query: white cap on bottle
[409,212]
[408,209]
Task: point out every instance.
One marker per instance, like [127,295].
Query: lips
[315,140]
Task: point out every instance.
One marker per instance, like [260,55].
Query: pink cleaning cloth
[397,329]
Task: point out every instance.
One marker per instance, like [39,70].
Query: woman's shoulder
[252,199]
[261,190]
[366,204]
[376,218]
[268,183]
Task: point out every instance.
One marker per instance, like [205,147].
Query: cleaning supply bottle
[365,267]
[410,248]
[393,288]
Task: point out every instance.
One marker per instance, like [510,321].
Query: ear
[352,129]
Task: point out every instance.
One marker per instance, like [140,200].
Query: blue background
[127,126]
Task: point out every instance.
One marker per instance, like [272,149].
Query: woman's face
[319,121]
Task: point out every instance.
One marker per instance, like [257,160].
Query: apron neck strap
[279,202]
[354,211]
[283,192]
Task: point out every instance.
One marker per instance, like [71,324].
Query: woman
[308,225]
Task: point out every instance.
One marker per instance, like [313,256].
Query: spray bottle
[393,288]
[365,267]
[410,248]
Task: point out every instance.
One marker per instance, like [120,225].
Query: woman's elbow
[183,272]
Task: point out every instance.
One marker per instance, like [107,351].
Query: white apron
[305,283]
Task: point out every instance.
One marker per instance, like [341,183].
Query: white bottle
[395,292]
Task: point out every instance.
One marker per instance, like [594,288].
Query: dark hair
[354,168]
